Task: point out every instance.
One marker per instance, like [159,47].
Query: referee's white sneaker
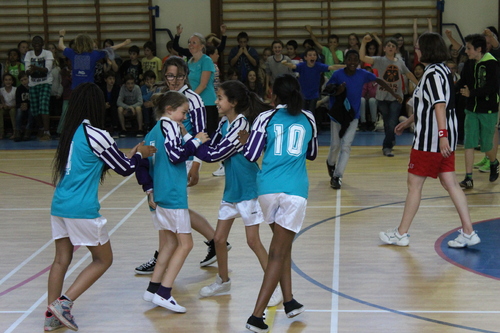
[393,237]
[464,240]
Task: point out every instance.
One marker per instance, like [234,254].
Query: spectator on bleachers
[14,65]
[132,66]
[38,64]
[23,109]
[23,47]
[243,57]
[333,56]
[150,62]
[7,103]
[130,104]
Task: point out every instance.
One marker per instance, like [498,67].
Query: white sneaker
[220,172]
[276,297]
[216,288]
[170,304]
[148,296]
[464,240]
[393,237]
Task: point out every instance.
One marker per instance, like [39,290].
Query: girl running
[288,135]
[171,216]
[238,107]
[84,155]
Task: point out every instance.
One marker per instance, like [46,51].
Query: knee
[219,239]
[254,243]
[186,246]
[63,260]
[105,261]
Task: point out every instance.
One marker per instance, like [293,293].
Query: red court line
[22,283]
[21,176]
[43,271]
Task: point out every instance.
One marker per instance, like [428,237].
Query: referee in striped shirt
[433,151]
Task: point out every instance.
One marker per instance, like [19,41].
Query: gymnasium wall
[194,15]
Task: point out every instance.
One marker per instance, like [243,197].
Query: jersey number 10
[295,142]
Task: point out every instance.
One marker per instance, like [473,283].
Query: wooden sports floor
[347,280]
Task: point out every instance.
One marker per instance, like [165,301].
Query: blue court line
[357,300]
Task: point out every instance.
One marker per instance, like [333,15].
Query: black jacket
[481,78]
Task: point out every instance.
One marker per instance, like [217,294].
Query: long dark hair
[286,88]
[86,102]
[247,103]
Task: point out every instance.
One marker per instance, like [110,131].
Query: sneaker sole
[387,241]
[295,312]
[166,305]
[256,329]
[63,320]
[209,262]
[219,293]
[214,259]
[462,246]
[143,272]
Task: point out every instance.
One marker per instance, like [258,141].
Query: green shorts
[479,128]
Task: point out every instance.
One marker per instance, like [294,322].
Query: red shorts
[427,164]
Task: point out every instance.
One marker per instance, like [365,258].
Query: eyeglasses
[171,77]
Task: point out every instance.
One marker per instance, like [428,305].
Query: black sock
[495,163]
[156,255]
[164,292]
[153,287]
[65,297]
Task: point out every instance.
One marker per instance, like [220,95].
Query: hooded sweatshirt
[481,78]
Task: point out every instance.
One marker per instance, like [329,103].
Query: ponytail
[247,103]
[287,90]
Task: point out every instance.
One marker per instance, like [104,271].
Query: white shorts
[84,232]
[248,210]
[175,220]
[287,210]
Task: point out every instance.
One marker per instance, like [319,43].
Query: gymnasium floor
[348,280]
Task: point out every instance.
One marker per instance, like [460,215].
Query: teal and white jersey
[167,167]
[76,194]
[287,140]
[241,175]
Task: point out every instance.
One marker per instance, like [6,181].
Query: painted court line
[81,261]
[27,260]
[334,319]
[405,311]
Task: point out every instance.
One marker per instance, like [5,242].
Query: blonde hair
[83,43]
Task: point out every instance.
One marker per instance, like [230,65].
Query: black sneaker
[331,169]
[256,324]
[123,134]
[293,308]
[336,183]
[494,170]
[139,134]
[147,267]
[211,255]
[467,183]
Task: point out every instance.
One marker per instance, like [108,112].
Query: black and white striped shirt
[436,86]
